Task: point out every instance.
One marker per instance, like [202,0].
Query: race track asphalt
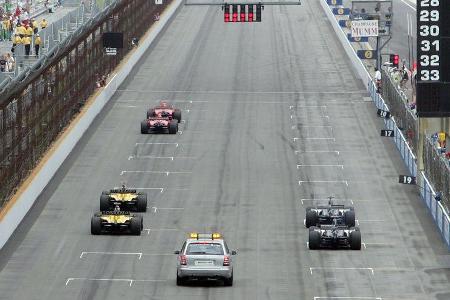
[274,121]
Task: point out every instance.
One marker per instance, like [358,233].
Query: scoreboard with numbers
[433,55]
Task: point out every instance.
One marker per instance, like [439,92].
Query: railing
[398,105]
[400,141]
[36,106]
[437,169]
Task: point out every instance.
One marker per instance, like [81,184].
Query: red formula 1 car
[159,125]
[164,109]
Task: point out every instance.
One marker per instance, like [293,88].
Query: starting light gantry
[242,11]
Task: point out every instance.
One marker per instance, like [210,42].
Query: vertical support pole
[378,63]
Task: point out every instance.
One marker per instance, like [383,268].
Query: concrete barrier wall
[357,65]
[35,186]
[427,193]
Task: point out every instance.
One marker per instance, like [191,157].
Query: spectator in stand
[37,44]
[10,62]
[16,41]
[11,27]
[21,31]
[34,24]
[44,23]
[17,12]
[377,78]
[25,17]
[27,43]
[4,30]
[29,31]
[405,76]
[7,24]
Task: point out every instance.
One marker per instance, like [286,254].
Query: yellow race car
[126,199]
[116,222]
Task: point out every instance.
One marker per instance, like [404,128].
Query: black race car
[334,236]
[327,214]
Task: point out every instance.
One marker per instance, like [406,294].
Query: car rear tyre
[355,240]
[173,127]
[136,225]
[177,115]
[104,202]
[311,218]
[349,218]
[314,240]
[96,225]
[142,203]
[180,280]
[228,281]
[144,127]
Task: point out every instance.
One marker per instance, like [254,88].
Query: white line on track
[291,107]
[127,280]
[367,221]
[156,172]
[316,151]
[365,244]
[300,182]
[172,158]
[161,190]
[155,209]
[355,298]
[302,200]
[311,269]
[311,126]
[138,254]
[200,110]
[159,229]
[174,144]
[331,166]
[316,126]
[314,138]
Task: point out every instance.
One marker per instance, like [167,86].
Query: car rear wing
[123,191]
[112,212]
[159,118]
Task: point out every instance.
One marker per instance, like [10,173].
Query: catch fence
[36,106]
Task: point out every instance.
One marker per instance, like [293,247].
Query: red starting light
[235,13]
[250,13]
[242,17]
[226,13]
